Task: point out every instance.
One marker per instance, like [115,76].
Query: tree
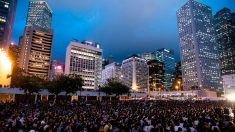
[67,83]
[76,83]
[29,83]
[177,79]
[115,87]
[56,86]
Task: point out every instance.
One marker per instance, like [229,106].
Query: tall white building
[198,50]
[135,74]
[111,71]
[85,59]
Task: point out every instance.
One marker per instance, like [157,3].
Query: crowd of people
[118,116]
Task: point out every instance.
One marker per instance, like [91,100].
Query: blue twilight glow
[144,25]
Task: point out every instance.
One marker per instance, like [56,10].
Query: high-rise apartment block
[135,73]
[198,50]
[85,59]
[7,14]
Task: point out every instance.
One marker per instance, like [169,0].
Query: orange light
[5,68]
[176,87]
[178,82]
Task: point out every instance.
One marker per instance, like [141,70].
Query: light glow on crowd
[231,97]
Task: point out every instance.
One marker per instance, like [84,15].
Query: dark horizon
[128,28]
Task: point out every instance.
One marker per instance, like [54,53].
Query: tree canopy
[67,83]
[115,87]
[29,83]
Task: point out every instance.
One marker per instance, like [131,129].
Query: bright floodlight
[231,97]
[5,68]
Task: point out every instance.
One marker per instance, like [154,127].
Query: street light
[176,87]
[179,82]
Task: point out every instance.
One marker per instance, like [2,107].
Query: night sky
[122,27]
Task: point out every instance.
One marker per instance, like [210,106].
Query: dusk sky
[122,27]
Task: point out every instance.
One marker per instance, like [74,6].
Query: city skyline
[91,21]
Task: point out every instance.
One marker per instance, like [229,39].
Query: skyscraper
[39,14]
[85,59]
[135,73]
[166,56]
[7,14]
[156,75]
[198,50]
[36,43]
[225,37]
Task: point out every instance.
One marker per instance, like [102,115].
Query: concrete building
[56,69]
[156,75]
[198,50]
[36,43]
[135,73]
[111,71]
[108,60]
[35,51]
[7,15]
[85,59]
[166,56]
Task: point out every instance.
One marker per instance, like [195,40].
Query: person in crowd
[118,116]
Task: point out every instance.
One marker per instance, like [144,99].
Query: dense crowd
[119,116]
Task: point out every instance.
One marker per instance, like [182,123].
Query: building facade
[35,51]
[225,38]
[166,56]
[108,60]
[229,83]
[7,14]
[56,69]
[156,75]
[135,74]
[148,56]
[36,42]
[85,59]
[39,14]
[198,50]
[111,71]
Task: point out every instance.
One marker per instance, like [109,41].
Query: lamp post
[179,83]
[176,87]
[99,92]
